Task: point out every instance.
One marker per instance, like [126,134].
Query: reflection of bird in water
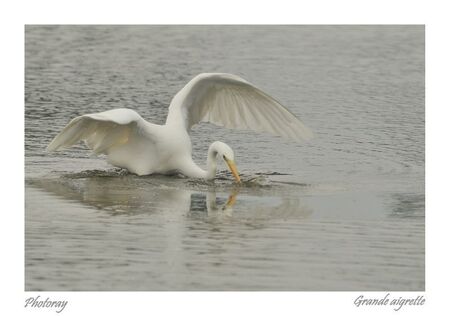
[144,148]
[131,195]
[127,195]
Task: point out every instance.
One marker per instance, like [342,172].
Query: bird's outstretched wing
[100,131]
[230,101]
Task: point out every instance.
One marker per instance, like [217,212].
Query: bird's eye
[224,158]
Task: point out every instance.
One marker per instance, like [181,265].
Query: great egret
[144,148]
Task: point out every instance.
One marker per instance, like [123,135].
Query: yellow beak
[233,169]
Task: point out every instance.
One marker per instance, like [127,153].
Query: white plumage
[144,148]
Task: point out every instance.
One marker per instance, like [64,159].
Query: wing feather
[100,131]
[230,101]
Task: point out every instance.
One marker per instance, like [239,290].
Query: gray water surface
[342,212]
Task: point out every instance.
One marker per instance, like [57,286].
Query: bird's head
[225,152]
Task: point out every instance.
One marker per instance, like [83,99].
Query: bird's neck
[194,171]
[211,163]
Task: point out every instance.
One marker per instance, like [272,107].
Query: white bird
[144,148]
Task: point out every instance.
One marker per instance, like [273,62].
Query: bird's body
[144,148]
[151,148]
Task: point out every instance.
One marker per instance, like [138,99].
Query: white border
[18,13]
